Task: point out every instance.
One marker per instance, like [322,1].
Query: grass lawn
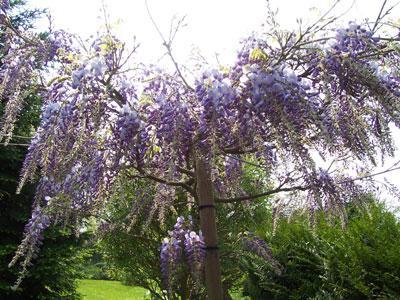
[109,290]
[115,290]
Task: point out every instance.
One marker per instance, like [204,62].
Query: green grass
[109,290]
[115,290]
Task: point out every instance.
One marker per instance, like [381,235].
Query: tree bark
[208,227]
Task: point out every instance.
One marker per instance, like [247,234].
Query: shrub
[359,261]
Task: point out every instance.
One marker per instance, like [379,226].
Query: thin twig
[370,175]
[267,193]
[18,136]
[281,189]
[14,144]
[167,45]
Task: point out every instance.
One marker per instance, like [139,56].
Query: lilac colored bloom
[259,247]
[182,241]
[170,256]
[5,4]
[195,252]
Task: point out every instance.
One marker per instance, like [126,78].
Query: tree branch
[185,171]
[373,174]
[279,189]
[184,185]
[14,144]
[381,15]
[246,162]
[167,45]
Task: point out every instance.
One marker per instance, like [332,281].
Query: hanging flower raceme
[182,242]
[25,57]
[33,237]
[195,252]
[331,194]
[259,247]
[127,125]
[170,257]
[171,120]
[5,4]
[282,98]
[360,84]
[218,99]
[78,146]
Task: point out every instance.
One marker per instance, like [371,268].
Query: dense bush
[327,261]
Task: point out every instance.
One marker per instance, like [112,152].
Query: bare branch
[279,189]
[372,175]
[185,185]
[14,144]
[167,45]
[19,136]
[246,162]
[185,171]
[378,22]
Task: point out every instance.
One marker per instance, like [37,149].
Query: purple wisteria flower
[259,247]
[182,242]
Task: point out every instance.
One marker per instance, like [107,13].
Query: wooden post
[208,227]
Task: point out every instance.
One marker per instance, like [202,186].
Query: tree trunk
[208,227]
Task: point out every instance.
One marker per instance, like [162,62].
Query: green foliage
[96,266]
[235,218]
[232,221]
[359,261]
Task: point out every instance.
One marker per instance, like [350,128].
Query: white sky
[213,26]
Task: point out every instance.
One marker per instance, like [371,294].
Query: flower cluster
[182,242]
[18,71]
[33,239]
[331,194]
[5,4]
[93,69]
[259,247]
[353,40]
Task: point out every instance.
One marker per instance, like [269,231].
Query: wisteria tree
[290,97]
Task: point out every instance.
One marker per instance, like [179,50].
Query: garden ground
[109,290]
[115,290]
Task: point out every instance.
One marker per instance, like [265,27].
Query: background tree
[57,266]
[289,95]
[326,261]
